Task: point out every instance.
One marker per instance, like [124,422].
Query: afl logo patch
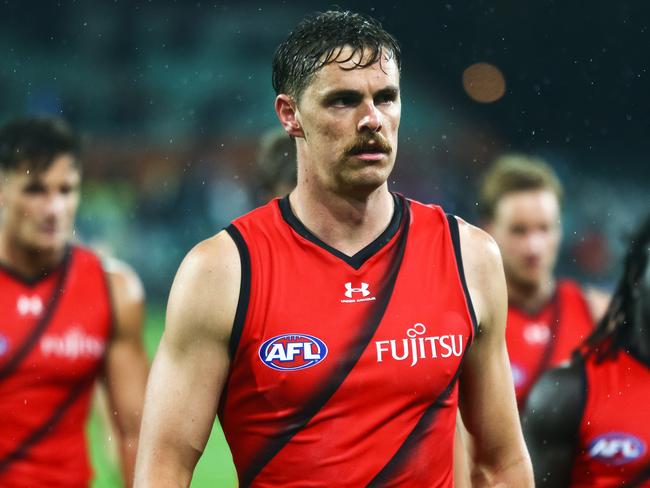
[292,352]
[616,448]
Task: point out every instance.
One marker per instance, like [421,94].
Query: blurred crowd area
[173,97]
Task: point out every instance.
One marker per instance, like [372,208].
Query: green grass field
[215,469]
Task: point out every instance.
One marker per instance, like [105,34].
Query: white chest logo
[415,346]
[357,294]
[537,333]
[27,305]
[74,344]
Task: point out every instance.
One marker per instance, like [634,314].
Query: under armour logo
[537,333]
[29,305]
[363,289]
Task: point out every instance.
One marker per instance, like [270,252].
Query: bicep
[487,398]
[551,423]
[183,395]
[191,364]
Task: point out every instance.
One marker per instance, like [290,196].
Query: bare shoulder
[598,301]
[478,248]
[205,292]
[127,296]
[123,279]
[483,271]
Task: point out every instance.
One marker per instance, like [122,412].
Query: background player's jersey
[543,340]
[344,369]
[53,334]
[614,437]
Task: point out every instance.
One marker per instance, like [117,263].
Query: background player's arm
[191,364]
[551,423]
[126,362]
[487,397]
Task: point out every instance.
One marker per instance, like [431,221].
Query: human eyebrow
[342,97]
[34,186]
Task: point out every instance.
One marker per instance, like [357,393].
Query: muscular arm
[487,398]
[126,362]
[191,364]
[551,422]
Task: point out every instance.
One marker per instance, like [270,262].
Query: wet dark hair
[37,141]
[318,40]
[612,332]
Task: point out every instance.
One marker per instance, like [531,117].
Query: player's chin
[51,243]
[366,180]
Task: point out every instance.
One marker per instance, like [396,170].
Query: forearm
[517,473]
[163,467]
[128,451]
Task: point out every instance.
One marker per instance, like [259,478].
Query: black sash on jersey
[316,403]
[41,324]
[23,351]
[428,417]
[552,343]
[639,479]
[46,427]
[411,441]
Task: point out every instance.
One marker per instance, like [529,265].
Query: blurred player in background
[327,329]
[275,166]
[66,319]
[587,424]
[547,317]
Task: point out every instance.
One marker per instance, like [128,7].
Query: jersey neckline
[357,260]
[32,281]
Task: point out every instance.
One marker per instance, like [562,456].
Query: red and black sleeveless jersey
[545,339]
[53,335]
[614,436]
[344,369]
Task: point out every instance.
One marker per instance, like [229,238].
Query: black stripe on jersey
[364,254]
[639,480]
[455,239]
[48,426]
[403,454]
[244,289]
[42,323]
[350,358]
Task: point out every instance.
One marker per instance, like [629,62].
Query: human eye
[386,97]
[34,188]
[343,100]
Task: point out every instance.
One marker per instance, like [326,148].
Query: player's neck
[344,223]
[27,262]
[531,297]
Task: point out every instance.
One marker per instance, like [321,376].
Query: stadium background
[172,97]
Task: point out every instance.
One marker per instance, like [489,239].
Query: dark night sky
[576,72]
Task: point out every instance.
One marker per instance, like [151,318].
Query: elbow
[516,473]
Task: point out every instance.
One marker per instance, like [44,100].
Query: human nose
[55,204]
[535,242]
[371,119]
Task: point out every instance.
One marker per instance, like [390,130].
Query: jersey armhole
[455,239]
[244,289]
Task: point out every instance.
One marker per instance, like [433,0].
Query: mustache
[369,143]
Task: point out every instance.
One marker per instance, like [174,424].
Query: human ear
[287,112]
